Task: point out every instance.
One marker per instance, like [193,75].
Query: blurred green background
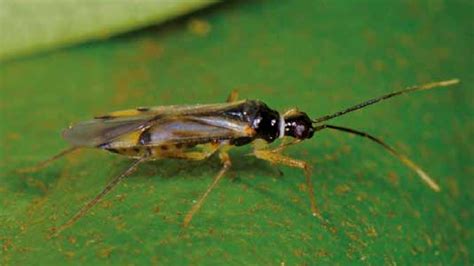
[320,56]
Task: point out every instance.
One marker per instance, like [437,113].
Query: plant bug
[195,132]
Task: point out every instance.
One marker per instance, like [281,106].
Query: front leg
[275,157]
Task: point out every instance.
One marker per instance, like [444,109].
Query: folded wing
[170,124]
[195,130]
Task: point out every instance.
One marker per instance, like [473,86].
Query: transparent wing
[98,131]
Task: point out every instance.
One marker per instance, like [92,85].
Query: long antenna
[423,175]
[427,86]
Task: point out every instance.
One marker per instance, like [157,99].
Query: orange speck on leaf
[199,27]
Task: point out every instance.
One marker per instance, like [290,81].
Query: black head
[298,125]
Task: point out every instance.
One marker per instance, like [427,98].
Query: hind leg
[46,162]
[106,190]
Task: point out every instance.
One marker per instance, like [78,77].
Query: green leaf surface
[320,56]
[30,26]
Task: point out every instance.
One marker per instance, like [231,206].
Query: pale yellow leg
[285,144]
[277,158]
[223,155]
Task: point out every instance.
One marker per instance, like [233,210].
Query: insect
[195,132]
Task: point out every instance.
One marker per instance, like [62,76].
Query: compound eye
[300,131]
